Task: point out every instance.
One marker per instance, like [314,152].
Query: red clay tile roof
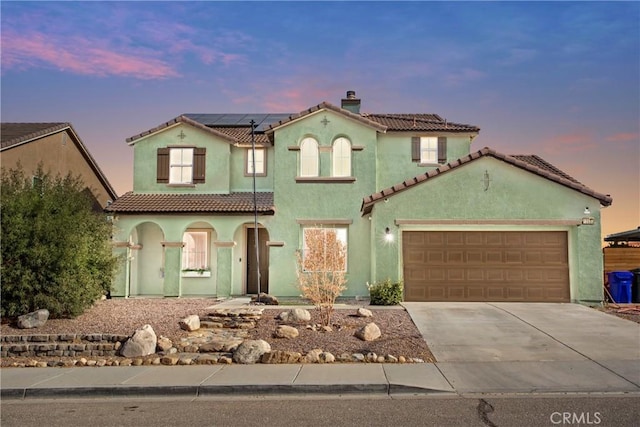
[529,163]
[14,133]
[242,135]
[181,119]
[419,122]
[327,106]
[233,203]
[235,128]
[543,164]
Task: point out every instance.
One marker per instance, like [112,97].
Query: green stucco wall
[513,194]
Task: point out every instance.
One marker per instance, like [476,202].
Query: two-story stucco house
[405,193]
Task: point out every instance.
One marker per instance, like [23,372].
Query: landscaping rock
[251,351]
[190,323]
[142,343]
[164,344]
[363,312]
[280,356]
[265,299]
[326,357]
[171,359]
[284,331]
[369,332]
[297,315]
[34,319]
[312,356]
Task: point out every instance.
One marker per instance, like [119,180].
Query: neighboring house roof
[189,203]
[624,236]
[16,134]
[529,163]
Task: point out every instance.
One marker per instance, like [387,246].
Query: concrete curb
[212,391]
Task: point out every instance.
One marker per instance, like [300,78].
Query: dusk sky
[556,79]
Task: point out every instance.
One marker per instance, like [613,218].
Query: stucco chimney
[351,103]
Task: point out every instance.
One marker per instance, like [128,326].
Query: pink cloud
[571,143]
[80,56]
[623,137]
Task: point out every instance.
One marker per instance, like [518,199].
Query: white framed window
[341,156]
[329,252]
[309,158]
[195,252]
[428,149]
[261,167]
[181,166]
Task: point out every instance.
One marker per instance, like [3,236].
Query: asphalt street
[612,410]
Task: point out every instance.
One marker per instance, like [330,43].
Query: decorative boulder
[284,331]
[363,312]
[190,323]
[297,315]
[35,319]
[142,343]
[250,351]
[265,299]
[368,332]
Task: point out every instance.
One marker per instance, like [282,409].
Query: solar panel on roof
[262,120]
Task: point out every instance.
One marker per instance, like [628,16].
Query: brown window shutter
[415,148]
[199,163]
[442,149]
[162,172]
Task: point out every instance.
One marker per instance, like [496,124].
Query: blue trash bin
[620,286]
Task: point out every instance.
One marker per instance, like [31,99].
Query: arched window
[309,157]
[341,157]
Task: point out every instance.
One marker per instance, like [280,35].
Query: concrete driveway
[533,343]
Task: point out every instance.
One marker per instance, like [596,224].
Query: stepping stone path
[220,333]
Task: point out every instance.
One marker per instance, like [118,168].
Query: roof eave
[175,122]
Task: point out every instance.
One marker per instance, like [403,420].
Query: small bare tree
[321,270]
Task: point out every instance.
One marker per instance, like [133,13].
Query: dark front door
[253,266]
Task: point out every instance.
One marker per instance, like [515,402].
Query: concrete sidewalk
[222,380]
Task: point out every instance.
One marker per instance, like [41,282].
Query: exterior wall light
[387,235]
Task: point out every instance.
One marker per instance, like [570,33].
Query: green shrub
[55,249]
[385,293]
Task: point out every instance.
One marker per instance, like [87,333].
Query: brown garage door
[485,266]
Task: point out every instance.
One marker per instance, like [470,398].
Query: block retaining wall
[52,345]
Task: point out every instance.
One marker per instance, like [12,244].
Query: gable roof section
[235,128]
[533,164]
[181,119]
[326,106]
[232,203]
[419,122]
[15,134]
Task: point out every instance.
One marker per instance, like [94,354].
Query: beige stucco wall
[59,154]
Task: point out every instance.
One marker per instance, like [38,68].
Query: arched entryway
[146,276]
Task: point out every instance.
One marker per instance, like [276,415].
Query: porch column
[172,263]
[223,270]
[119,282]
